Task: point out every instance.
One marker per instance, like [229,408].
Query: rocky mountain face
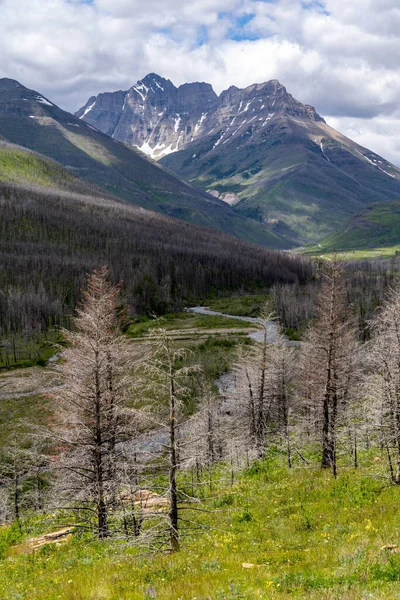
[153,115]
[262,151]
[159,118]
[30,120]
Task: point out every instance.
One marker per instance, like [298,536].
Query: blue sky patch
[315,5]
[202,35]
[239,30]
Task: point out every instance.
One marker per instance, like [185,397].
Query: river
[274,336]
[226,383]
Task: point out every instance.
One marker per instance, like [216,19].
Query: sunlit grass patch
[275,533]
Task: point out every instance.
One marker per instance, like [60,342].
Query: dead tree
[167,376]
[15,468]
[283,365]
[383,383]
[328,353]
[256,379]
[90,409]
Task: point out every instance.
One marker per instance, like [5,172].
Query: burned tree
[167,377]
[90,408]
[328,357]
[383,384]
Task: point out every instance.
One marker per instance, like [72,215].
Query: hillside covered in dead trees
[143,446]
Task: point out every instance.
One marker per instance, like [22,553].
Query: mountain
[29,119]
[377,225]
[270,156]
[153,115]
[55,228]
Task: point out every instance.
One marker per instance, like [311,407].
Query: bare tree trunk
[39,503]
[16,497]
[286,432]
[397,437]
[326,462]
[210,434]
[261,418]
[173,511]
[252,407]
[355,449]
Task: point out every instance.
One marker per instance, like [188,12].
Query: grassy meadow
[274,533]
[362,253]
[258,530]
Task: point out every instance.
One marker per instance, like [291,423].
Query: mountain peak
[153,78]
[160,118]
[6,82]
[153,84]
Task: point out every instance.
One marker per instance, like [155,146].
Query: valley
[257,530]
[199,353]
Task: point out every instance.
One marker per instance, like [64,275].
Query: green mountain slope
[291,171]
[377,225]
[26,167]
[32,121]
[54,228]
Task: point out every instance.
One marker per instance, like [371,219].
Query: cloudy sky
[342,56]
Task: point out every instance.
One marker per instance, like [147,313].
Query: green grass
[185,321]
[242,306]
[29,354]
[17,414]
[20,166]
[309,537]
[384,252]
[215,355]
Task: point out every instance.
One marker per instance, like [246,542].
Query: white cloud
[344,59]
[381,134]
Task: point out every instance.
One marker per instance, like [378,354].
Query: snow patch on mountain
[43,101]
[87,110]
[246,108]
[142,90]
[323,152]
[156,151]
[270,115]
[199,123]
[146,148]
[160,87]
[177,120]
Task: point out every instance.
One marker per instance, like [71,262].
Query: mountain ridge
[30,120]
[274,159]
[189,106]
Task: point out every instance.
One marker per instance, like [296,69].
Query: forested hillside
[51,237]
[34,122]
